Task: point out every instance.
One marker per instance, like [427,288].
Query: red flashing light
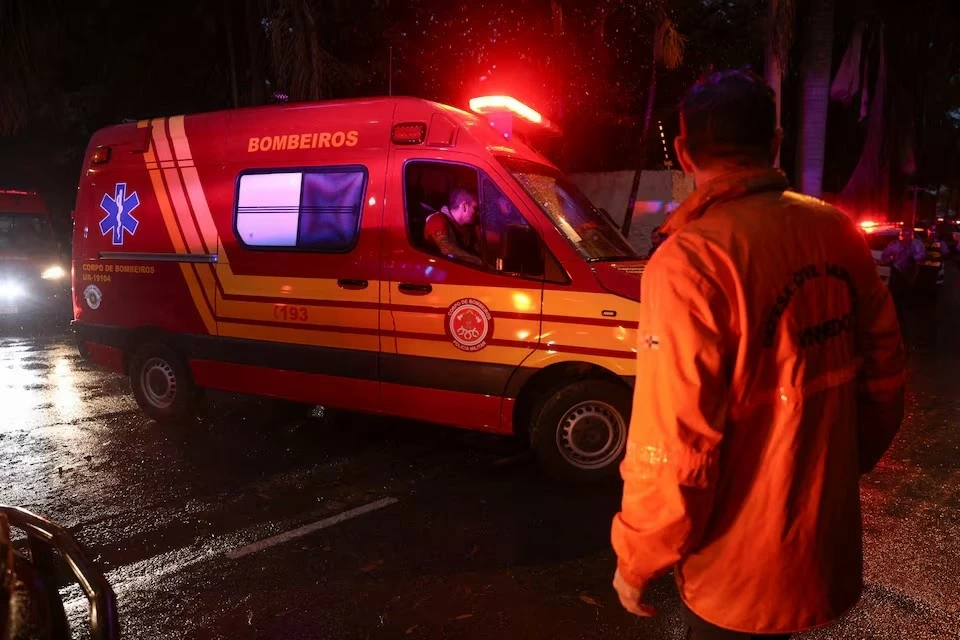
[873,226]
[486,104]
[15,192]
[409,133]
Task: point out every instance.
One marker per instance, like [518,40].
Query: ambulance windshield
[26,232]
[589,230]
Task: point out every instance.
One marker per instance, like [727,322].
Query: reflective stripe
[191,179]
[160,148]
[793,394]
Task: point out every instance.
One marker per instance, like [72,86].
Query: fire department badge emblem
[469,324]
[93,296]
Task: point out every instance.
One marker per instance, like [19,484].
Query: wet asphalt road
[476,545]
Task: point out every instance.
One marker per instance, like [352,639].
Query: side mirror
[521,251]
[39,576]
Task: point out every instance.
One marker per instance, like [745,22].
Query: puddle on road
[33,386]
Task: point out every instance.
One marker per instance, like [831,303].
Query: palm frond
[781,28]
[301,64]
[669,44]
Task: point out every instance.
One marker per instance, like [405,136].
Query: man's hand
[631,597]
[448,247]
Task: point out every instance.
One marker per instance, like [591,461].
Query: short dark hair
[460,195]
[729,115]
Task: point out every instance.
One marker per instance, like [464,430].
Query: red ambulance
[281,251]
[33,275]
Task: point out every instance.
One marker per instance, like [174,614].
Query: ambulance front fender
[552,368]
[617,365]
[544,372]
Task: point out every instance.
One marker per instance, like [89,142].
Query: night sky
[69,68]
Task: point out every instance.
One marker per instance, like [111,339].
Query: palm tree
[668,47]
[302,66]
[815,69]
[781,19]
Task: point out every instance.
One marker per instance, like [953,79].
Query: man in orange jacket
[770,376]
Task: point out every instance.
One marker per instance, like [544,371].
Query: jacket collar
[730,186]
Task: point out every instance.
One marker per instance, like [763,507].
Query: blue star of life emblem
[118,208]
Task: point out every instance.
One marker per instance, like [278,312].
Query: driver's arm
[440,236]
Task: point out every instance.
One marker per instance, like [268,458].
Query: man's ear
[683,157]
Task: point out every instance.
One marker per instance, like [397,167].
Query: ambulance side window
[303,210]
[500,238]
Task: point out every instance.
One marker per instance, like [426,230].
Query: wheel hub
[158,383]
[591,435]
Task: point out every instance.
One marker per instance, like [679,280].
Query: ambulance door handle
[415,289]
[352,284]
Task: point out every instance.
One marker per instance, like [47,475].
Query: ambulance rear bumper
[101,346]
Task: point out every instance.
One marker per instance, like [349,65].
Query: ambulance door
[300,262]
[461,329]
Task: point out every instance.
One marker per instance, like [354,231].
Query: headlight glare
[10,290]
[55,272]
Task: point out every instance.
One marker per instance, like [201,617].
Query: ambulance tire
[162,384]
[579,431]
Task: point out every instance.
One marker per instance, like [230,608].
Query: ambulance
[33,271]
[280,251]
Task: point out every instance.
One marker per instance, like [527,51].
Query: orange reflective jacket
[770,376]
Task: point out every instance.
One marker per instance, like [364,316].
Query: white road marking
[308,529]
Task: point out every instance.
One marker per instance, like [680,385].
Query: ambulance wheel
[162,384]
[579,432]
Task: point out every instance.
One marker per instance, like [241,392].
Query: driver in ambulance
[452,230]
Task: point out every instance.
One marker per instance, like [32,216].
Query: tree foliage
[70,68]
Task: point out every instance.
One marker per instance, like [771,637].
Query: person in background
[904,255]
[770,375]
[945,237]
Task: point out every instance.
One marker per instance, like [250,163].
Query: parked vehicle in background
[879,235]
[33,271]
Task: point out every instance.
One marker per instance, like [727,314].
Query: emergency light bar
[486,104]
[869,226]
[508,105]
